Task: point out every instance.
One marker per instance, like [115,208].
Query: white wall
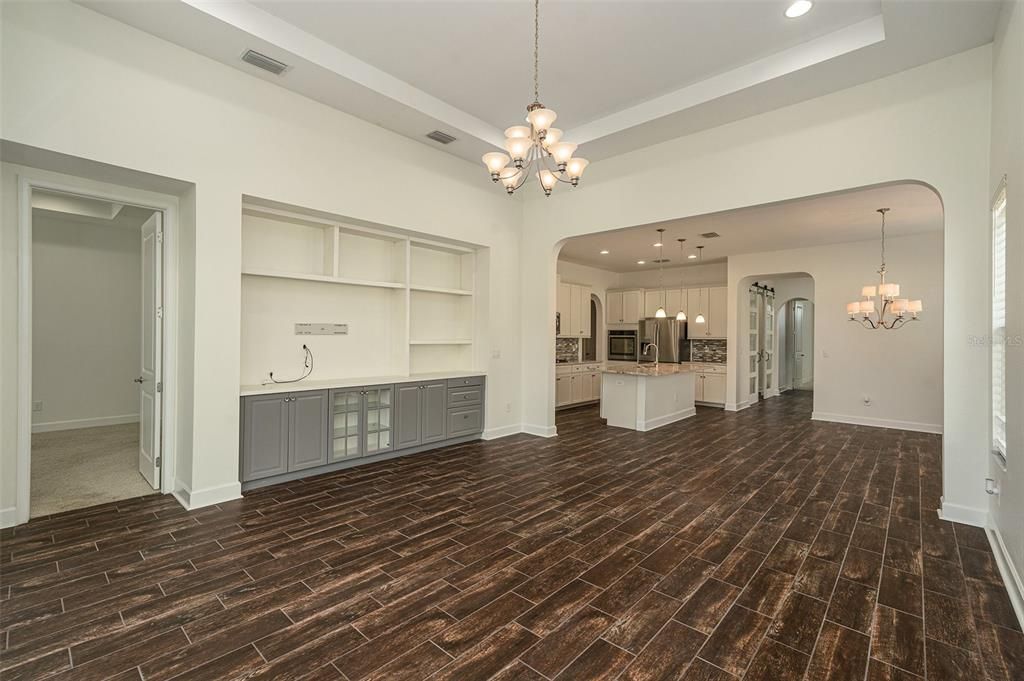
[86,326]
[888,130]
[232,135]
[901,371]
[1007,509]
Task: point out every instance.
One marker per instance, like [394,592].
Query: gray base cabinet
[421,413]
[314,431]
[282,433]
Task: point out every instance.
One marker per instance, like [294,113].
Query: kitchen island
[647,396]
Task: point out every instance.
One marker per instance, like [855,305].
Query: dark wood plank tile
[666,655]
[897,638]
[736,639]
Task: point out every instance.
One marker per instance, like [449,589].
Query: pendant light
[681,316]
[699,319]
[660,312]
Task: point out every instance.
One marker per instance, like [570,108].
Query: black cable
[307,366]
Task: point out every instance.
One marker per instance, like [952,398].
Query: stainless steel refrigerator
[666,334]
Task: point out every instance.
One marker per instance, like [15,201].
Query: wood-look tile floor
[757,545]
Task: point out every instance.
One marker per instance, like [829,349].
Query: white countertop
[649,370]
[327,384]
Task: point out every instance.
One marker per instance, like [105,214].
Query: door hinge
[160,312]
[159,386]
[158,460]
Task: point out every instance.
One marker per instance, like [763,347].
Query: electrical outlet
[867,400]
[496,354]
[508,407]
[37,405]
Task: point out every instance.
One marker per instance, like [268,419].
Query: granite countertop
[649,370]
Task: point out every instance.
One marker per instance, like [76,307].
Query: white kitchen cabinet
[595,385]
[714,388]
[563,390]
[573,307]
[672,300]
[613,307]
[576,387]
[625,307]
[697,303]
[718,313]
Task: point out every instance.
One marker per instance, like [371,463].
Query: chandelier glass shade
[880,306]
[536,149]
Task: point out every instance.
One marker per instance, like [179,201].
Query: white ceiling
[620,73]
[814,221]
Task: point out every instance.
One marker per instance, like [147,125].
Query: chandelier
[536,149]
[891,311]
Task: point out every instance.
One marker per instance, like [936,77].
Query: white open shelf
[409,302]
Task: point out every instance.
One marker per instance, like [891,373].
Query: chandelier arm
[559,174]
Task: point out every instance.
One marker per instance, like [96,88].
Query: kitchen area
[612,338]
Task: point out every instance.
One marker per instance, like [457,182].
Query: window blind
[998,343]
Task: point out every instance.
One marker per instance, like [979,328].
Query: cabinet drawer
[714,368]
[468,380]
[464,421]
[460,396]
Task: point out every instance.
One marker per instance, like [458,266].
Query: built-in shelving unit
[409,303]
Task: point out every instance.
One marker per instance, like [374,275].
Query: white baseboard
[877,423]
[193,499]
[8,516]
[736,406]
[51,426]
[539,431]
[503,431]
[668,418]
[965,515]
[1011,577]
[773,392]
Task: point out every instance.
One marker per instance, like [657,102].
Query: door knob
[140,379]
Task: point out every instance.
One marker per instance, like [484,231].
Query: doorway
[96,310]
[798,330]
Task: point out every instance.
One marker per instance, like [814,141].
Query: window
[998,343]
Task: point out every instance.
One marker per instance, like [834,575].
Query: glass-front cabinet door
[347,428]
[379,410]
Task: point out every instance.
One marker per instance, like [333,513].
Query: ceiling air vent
[710,235]
[262,61]
[442,137]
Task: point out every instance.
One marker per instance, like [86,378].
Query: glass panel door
[769,342]
[346,407]
[378,419]
[753,344]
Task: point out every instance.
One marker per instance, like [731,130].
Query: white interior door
[149,380]
[803,351]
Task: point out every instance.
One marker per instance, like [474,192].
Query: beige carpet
[84,467]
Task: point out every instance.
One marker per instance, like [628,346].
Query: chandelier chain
[536,50]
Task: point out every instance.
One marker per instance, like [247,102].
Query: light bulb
[495,161]
[562,152]
[518,147]
[575,166]
[799,8]
[541,119]
[551,137]
[692,256]
[660,313]
[517,131]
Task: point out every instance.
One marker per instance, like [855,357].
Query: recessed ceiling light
[799,8]
[658,245]
[692,256]
[641,262]
[604,252]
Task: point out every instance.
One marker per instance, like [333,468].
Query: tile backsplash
[567,349]
[713,350]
